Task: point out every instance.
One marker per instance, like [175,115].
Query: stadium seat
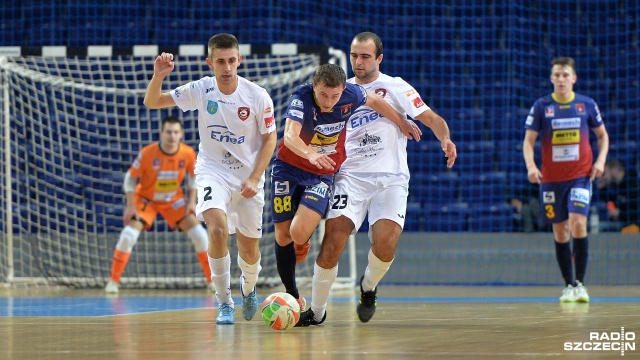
[484,188]
[491,218]
[446,218]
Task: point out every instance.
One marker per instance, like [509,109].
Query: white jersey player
[237,141]
[374,179]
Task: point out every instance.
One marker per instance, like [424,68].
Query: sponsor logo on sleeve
[417,102]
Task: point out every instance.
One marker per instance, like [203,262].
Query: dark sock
[563,255]
[581,255]
[286,263]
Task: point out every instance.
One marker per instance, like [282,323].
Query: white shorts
[382,196]
[223,192]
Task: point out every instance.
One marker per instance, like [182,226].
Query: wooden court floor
[410,323]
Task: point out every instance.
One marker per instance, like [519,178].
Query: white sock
[249,275]
[323,279]
[221,278]
[376,269]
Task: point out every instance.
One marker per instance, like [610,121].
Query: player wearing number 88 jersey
[310,153]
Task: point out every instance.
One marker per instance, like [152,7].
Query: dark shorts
[561,198]
[292,187]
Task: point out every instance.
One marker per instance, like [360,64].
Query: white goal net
[72,127]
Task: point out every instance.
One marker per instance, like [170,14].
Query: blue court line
[123,305]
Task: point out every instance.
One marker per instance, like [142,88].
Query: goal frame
[330,55]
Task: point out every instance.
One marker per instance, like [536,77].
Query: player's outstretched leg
[367,305]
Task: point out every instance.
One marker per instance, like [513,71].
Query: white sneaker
[580,292]
[211,288]
[568,294]
[112,287]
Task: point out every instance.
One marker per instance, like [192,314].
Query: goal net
[72,127]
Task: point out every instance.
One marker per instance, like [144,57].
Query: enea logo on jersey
[345,110]
[549,111]
[243,113]
[212,107]
[222,134]
[580,109]
[381,92]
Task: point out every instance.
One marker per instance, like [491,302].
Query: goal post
[71,129]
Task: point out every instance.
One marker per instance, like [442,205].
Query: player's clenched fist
[163,65]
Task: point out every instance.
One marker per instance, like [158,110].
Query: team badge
[243,113]
[156,164]
[549,111]
[580,108]
[181,164]
[212,107]
[345,110]
[381,92]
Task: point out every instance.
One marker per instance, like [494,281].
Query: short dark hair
[331,75]
[615,164]
[564,61]
[222,41]
[366,36]
[171,120]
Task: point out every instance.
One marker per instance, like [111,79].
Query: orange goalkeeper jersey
[160,175]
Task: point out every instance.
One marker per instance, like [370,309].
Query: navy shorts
[561,198]
[292,187]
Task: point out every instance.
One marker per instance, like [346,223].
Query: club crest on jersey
[381,92]
[549,111]
[580,109]
[181,164]
[156,164]
[212,107]
[345,110]
[243,113]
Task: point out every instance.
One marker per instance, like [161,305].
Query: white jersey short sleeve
[230,126]
[374,143]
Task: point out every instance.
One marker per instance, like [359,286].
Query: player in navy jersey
[309,155]
[563,120]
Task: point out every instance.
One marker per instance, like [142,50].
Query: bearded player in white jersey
[237,140]
[374,179]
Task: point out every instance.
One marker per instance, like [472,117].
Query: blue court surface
[127,305]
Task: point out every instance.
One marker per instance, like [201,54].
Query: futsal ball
[280,311]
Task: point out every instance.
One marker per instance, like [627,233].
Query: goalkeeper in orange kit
[153,185]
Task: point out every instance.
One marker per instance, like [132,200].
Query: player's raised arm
[154,98]
[408,128]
